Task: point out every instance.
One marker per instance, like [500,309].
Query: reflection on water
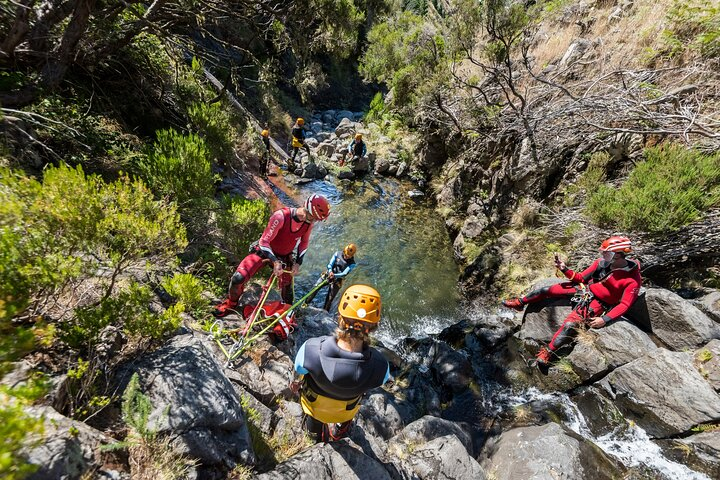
[403,251]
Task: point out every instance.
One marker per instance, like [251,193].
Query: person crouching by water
[339,266]
[337,370]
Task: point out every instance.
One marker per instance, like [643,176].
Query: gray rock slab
[663,393]
[442,458]
[707,362]
[194,402]
[677,322]
[710,305]
[425,429]
[68,449]
[329,461]
[598,351]
[546,452]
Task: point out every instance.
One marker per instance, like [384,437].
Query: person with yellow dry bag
[337,370]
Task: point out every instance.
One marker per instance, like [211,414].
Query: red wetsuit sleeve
[303,245]
[629,296]
[584,276]
[274,226]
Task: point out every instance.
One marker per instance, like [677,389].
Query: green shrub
[672,187]
[178,167]
[129,310]
[212,122]
[241,222]
[136,408]
[16,429]
[694,25]
[187,289]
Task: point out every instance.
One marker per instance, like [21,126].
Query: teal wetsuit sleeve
[300,361]
[387,375]
[347,270]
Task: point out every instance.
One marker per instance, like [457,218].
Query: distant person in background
[265,160]
[357,149]
[339,266]
[336,371]
[613,283]
[298,142]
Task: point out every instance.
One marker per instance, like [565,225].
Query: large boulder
[707,361]
[450,368]
[361,165]
[314,170]
[598,351]
[441,458]
[194,403]
[663,393]
[343,115]
[331,461]
[677,322]
[546,452]
[266,376]
[68,450]
[326,148]
[425,429]
[312,142]
[701,452]
[710,304]
[382,416]
[346,128]
[381,166]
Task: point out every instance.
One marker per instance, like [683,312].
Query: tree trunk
[18,31]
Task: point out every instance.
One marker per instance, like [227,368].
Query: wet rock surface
[663,392]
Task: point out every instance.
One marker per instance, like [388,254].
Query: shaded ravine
[404,250]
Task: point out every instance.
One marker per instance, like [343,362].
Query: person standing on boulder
[337,370]
[265,160]
[339,266]
[287,229]
[357,149]
[605,290]
[298,142]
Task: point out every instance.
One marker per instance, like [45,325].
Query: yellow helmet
[350,250]
[359,309]
[301,121]
[265,133]
[358,136]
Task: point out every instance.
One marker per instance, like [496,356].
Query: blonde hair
[350,334]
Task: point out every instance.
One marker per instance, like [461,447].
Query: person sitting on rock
[339,266]
[336,371]
[265,160]
[287,229]
[612,286]
[298,142]
[357,149]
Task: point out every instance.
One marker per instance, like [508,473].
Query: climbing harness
[582,300]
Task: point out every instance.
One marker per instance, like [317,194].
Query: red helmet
[616,244]
[318,206]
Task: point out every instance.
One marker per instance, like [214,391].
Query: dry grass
[154,459]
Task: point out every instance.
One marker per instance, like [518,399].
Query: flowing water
[404,251]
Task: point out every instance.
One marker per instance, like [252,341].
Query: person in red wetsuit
[287,230]
[613,282]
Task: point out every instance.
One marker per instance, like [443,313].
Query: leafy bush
[128,310]
[694,25]
[212,122]
[178,167]
[672,187]
[241,222]
[15,428]
[187,289]
[408,54]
